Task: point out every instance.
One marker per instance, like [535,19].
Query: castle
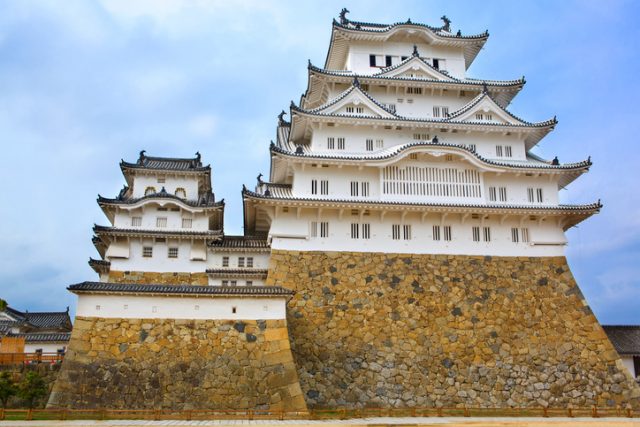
[407,249]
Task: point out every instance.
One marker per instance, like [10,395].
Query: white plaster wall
[241,281]
[175,307]
[160,261]
[359,51]
[149,214]
[627,361]
[545,231]
[46,347]
[189,183]
[356,136]
[412,105]
[260,259]
[517,187]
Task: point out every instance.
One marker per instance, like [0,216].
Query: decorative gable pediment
[485,110]
[414,67]
[355,102]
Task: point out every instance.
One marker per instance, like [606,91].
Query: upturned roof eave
[471,44]
[359,160]
[535,210]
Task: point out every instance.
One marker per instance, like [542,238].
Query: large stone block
[177,364]
[370,329]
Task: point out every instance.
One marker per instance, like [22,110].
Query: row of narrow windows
[235,283]
[383,61]
[429,182]
[241,262]
[404,232]
[161,222]
[180,192]
[147,252]
[371,144]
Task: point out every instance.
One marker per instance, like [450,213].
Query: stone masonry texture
[143,277]
[387,330]
[178,364]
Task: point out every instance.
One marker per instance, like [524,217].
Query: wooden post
[63,414]
[1,413]
[545,412]
[439,411]
[29,414]
[251,414]
[188,415]
[466,412]
[594,411]
[570,412]
[629,413]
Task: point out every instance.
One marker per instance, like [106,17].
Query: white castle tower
[393,148]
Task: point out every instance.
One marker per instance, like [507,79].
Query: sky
[86,83]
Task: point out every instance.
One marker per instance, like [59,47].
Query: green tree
[8,388]
[3,304]
[32,388]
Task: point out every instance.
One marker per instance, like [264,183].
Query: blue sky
[85,83]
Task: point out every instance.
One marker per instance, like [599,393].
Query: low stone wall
[178,364]
[144,277]
[388,330]
[48,371]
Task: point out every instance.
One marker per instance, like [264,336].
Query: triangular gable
[485,110]
[355,98]
[417,66]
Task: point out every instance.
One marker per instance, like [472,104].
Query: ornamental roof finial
[447,23]
[589,159]
[142,156]
[409,21]
[459,33]
[299,149]
[292,105]
[281,117]
[356,82]
[343,16]
[259,178]
[415,51]
[485,89]
[555,161]
[198,156]
[435,139]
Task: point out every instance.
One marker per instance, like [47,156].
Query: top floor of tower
[366,48]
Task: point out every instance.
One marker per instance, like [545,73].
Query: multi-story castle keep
[407,249]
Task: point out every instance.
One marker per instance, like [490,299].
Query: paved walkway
[362,422]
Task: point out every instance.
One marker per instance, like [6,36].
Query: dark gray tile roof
[398,149]
[98,229]
[257,291]
[205,201]
[166,163]
[44,337]
[241,242]
[238,272]
[40,319]
[372,27]
[625,338]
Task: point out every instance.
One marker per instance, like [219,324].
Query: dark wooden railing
[315,414]
[29,358]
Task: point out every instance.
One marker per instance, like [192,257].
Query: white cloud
[203,125]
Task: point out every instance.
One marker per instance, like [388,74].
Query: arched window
[150,190]
[180,192]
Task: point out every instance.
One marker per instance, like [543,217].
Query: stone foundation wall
[389,330]
[143,277]
[178,364]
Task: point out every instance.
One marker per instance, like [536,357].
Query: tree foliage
[32,389]
[8,388]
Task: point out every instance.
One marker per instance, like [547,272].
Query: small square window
[161,221]
[147,251]
[241,261]
[187,222]
[136,221]
[225,261]
[234,310]
[250,262]
[173,252]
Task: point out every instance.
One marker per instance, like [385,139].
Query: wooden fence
[30,358]
[315,414]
